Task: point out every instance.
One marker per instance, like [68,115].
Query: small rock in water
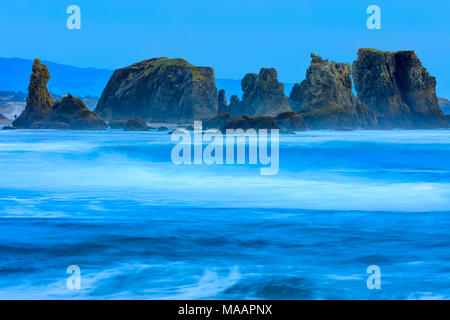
[136,124]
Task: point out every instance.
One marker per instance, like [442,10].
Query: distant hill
[15,75]
[445,105]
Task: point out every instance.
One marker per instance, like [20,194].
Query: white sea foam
[138,167]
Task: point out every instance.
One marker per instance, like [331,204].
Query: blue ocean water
[140,227]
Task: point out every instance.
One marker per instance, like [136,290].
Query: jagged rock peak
[222,102]
[39,100]
[263,94]
[325,97]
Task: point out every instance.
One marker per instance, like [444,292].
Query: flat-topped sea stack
[39,99]
[160,90]
[325,98]
[398,89]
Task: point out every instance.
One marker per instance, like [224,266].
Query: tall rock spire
[39,99]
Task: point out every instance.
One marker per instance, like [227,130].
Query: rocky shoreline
[393,90]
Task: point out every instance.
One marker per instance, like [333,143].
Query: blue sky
[233,36]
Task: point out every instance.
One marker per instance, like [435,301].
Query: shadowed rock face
[39,100]
[222,102]
[72,114]
[286,122]
[325,98]
[117,123]
[2,117]
[444,104]
[160,90]
[235,108]
[398,89]
[341,118]
[218,121]
[256,122]
[136,124]
[290,121]
[263,94]
[41,112]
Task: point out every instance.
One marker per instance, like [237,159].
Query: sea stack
[160,90]
[42,112]
[39,100]
[71,113]
[222,102]
[325,98]
[263,94]
[398,89]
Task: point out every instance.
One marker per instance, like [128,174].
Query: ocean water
[141,227]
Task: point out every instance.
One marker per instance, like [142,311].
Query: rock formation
[290,121]
[217,122]
[444,104]
[263,94]
[41,112]
[325,98]
[222,102]
[2,117]
[70,113]
[160,90]
[39,100]
[287,122]
[398,89]
[235,106]
[73,112]
[136,124]
[256,122]
[117,123]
